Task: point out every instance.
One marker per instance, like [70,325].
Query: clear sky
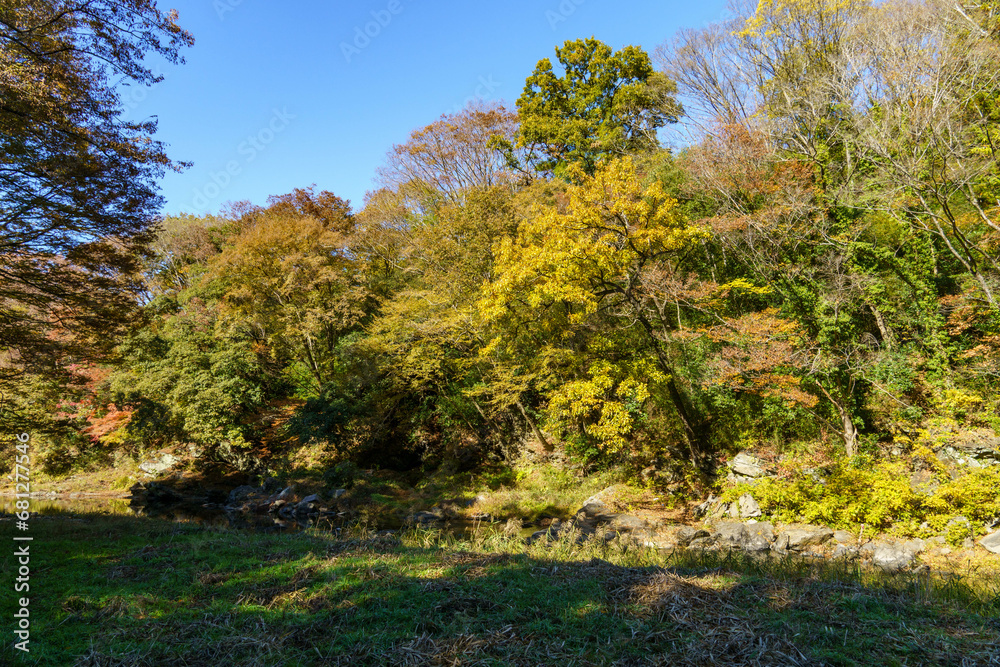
[276,96]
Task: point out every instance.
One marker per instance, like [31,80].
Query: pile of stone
[284,503]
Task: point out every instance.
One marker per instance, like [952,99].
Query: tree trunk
[534,427]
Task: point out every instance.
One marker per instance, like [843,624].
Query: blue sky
[278,96]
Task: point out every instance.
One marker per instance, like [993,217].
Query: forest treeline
[814,263]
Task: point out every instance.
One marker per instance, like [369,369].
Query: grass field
[116,590]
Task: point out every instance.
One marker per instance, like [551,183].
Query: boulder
[277,505]
[726,509]
[605,496]
[748,507]
[687,534]
[982,445]
[287,494]
[624,522]
[844,536]
[337,493]
[707,542]
[156,466]
[242,493]
[796,538]
[730,534]
[893,556]
[591,510]
[307,504]
[760,535]
[844,551]
[991,542]
[703,508]
[745,465]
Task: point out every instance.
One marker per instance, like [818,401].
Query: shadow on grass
[112,590]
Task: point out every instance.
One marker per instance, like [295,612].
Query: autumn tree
[78,183]
[571,312]
[455,153]
[288,275]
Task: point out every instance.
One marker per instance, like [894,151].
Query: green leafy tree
[605,103]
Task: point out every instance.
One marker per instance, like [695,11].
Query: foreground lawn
[113,590]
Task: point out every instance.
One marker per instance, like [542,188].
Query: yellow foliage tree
[569,304]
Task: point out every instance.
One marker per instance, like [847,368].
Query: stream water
[212,516]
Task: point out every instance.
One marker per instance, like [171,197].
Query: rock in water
[242,493]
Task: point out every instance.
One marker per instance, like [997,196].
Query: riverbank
[137,591]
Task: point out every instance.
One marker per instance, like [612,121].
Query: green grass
[113,590]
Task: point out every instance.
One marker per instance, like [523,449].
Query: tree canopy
[78,183]
[603,103]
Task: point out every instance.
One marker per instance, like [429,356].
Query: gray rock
[800,537]
[159,465]
[687,534]
[625,522]
[892,557]
[731,534]
[337,493]
[748,466]
[277,505]
[603,496]
[844,551]
[991,542]
[748,507]
[242,493]
[844,536]
[726,509]
[702,509]
[707,542]
[592,509]
[981,445]
[308,503]
[759,536]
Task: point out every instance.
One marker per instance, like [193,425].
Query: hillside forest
[780,232]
